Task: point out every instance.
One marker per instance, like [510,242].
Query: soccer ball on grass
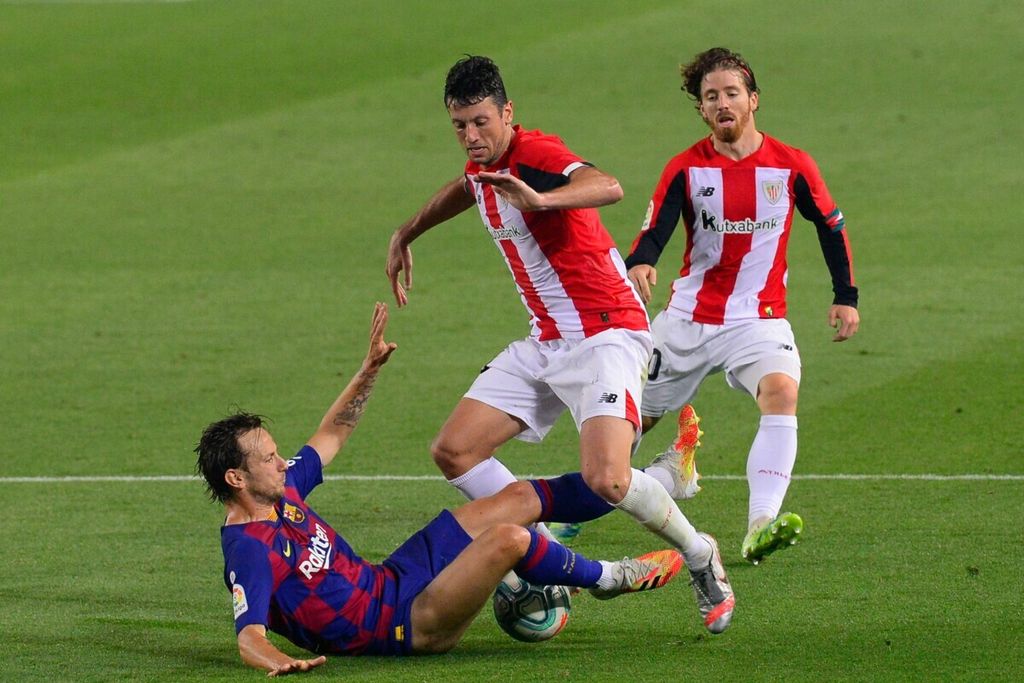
[530,613]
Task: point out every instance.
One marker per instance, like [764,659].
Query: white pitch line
[430,477]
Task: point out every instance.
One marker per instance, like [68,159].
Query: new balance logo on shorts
[608,398]
[705,191]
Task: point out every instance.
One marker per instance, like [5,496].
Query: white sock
[770,465]
[648,502]
[607,579]
[486,479]
[662,476]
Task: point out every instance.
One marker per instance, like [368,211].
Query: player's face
[726,104]
[484,129]
[264,469]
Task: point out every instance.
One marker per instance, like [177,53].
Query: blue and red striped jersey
[296,576]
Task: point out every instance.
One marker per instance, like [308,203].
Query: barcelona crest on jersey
[293,514]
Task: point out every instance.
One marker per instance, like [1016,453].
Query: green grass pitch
[195,202]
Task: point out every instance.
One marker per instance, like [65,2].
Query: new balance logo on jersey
[705,191]
[319,554]
[712,223]
[608,398]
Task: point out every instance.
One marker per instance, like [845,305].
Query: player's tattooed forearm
[353,410]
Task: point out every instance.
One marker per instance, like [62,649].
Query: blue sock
[568,499]
[547,563]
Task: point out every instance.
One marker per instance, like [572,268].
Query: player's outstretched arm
[448,202]
[258,652]
[587,188]
[346,410]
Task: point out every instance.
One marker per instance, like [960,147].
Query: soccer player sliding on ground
[289,571]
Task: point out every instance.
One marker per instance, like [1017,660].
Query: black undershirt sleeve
[833,246]
[652,241]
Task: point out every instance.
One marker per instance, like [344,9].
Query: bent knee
[520,494]
[506,541]
[452,457]
[610,485]
[777,394]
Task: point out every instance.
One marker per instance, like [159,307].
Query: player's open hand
[296,666]
[643,278]
[513,190]
[380,350]
[844,320]
[399,261]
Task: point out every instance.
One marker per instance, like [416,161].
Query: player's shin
[649,503]
[549,563]
[568,499]
[770,465]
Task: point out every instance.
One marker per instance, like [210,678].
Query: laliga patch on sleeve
[648,217]
[238,600]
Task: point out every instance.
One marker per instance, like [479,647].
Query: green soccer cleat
[781,532]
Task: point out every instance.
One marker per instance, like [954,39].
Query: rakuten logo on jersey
[319,554]
[713,223]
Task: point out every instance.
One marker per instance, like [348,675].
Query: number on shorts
[654,365]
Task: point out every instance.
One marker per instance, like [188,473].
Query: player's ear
[234,479]
[753,101]
[506,112]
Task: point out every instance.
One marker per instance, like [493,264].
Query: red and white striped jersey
[738,216]
[566,267]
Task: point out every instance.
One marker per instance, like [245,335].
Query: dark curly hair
[219,451]
[473,79]
[715,59]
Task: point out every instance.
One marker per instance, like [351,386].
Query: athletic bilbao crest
[772,190]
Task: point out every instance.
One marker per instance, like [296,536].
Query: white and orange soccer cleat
[680,460]
[711,587]
[647,572]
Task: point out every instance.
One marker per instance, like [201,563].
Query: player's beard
[728,135]
[733,133]
[267,496]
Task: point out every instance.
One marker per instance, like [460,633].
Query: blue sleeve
[251,581]
[305,470]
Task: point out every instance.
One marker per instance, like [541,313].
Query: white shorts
[536,381]
[686,352]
